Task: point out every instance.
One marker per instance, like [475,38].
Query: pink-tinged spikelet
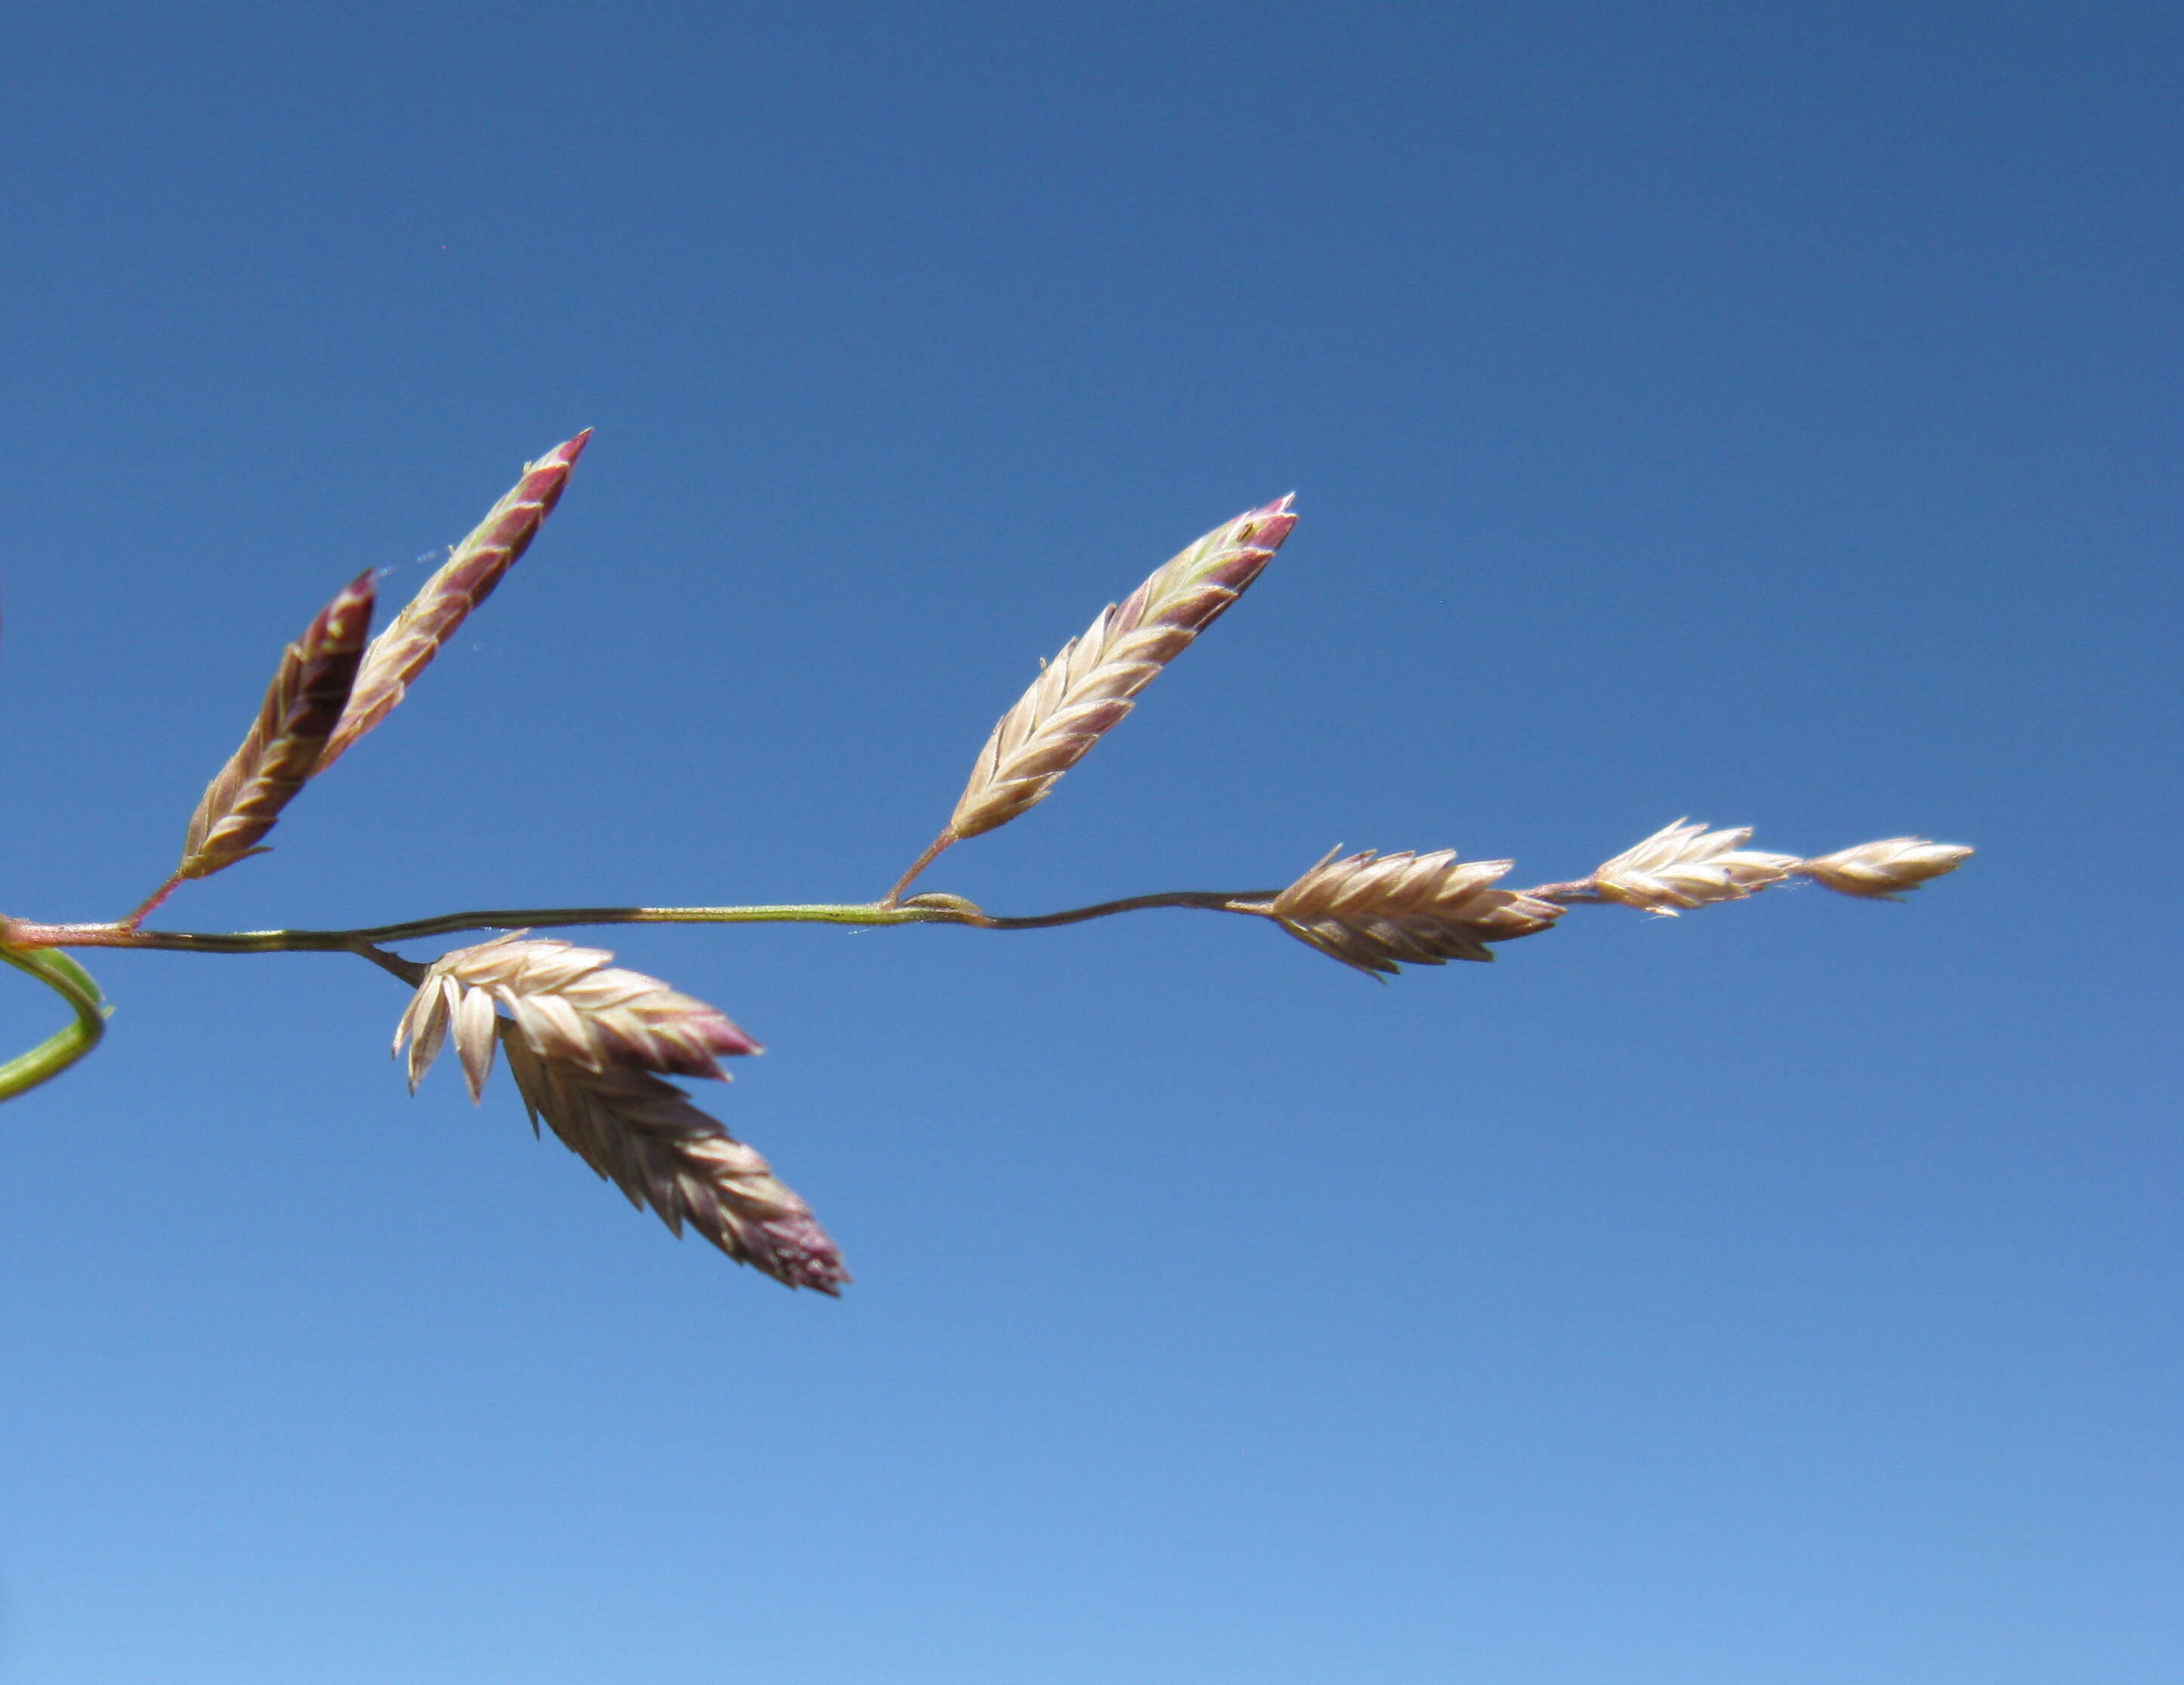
[415,636]
[645,1137]
[1085,691]
[281,752]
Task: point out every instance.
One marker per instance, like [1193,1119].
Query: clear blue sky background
[1766,414]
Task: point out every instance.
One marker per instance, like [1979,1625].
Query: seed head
[645,1137]
[1371,910]
[1684,866]
[1084,692]
[1885,870]
[471,571]
[568,1004]
[280,753]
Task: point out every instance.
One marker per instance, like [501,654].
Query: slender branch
[1212,901]
[932,852]
[23,933]
[151,902]
[26,935]
[408,971]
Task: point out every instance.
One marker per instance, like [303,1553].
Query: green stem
[55,1054]
[918,910]
[23,933]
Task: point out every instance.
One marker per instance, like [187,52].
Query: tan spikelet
[645,1137]
[1087,690]
[569,1004]
[1373,911]
[281,752]
[430,618]
[1684,866]
[1885,870]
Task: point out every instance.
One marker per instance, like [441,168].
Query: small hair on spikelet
[589,1043]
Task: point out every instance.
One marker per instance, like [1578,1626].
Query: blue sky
[1763,414]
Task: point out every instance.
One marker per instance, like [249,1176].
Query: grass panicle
[471,571]
[280,752]
[589,1043]
[1376,912]
[569,1004]
[1084,692]
[645,1137]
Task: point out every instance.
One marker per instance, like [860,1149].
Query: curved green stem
[58,1052]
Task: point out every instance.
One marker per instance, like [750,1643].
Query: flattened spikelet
[415,636]
[1373,911]
[569,1004]
[645,1137]
[281,752]
[1684,866]
[1885,870]
[1085,691]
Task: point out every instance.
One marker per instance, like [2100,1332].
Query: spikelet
[281,752]
[415,636]
[1885,870]
[1684,866]
[1087,689]
[1371,911]
[645,1137]
[569,1005]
